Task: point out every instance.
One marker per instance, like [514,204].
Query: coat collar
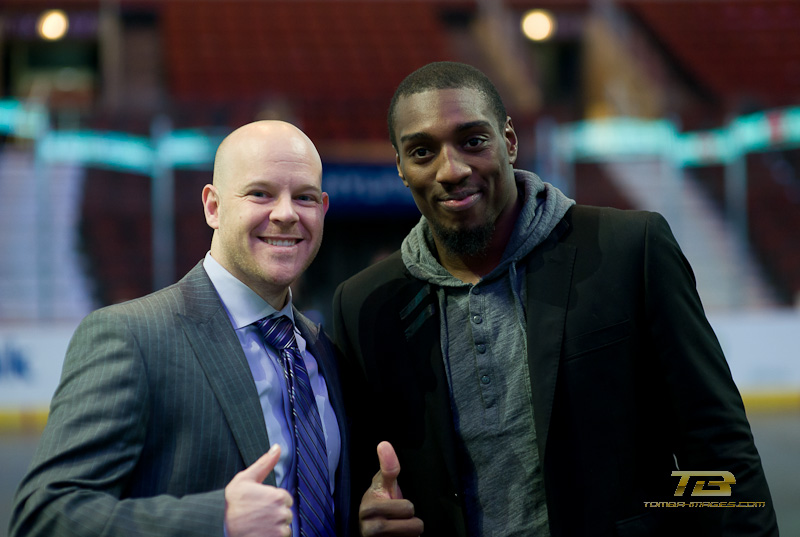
[420,321]
[548,280]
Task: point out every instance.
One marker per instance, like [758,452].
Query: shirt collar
[243,305]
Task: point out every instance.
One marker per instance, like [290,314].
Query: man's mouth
[459,201]
[281,242]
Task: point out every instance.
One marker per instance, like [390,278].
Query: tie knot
[277,331]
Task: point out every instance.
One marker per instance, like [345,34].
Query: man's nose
[283,210]
[452,168]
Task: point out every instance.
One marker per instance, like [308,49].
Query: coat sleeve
[710,422]
[78,482]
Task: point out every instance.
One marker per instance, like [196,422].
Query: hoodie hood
[544,206]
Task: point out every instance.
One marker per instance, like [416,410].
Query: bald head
[259,141]
[266,206]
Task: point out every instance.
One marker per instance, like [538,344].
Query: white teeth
[274,242]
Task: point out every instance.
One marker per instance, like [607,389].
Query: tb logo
[723,485]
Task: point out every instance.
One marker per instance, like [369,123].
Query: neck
[276,299]
[468,268]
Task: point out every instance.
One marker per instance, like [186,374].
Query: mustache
[458,192]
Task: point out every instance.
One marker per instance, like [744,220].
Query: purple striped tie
[314,501]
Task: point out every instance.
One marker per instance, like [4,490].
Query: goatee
[467,242]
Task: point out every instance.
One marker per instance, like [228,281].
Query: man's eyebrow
[473,124]
[309,186]
[416,136]
[422,136]
[260,183]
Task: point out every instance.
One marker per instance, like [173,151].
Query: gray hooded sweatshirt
[484,346]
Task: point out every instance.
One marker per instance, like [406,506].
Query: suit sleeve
[710,422]
[78,482]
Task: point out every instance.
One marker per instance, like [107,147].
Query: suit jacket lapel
[327,366]
[548,278]
[325,360]
[220,354]
[322,350]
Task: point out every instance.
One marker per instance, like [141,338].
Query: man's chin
[468,242]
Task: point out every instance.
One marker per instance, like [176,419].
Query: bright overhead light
[52,24]
[538,25]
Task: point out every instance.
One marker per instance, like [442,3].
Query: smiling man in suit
[168,404]
[537,367]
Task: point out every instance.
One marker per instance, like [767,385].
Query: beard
[467,242]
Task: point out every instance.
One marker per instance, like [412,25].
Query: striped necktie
[314,501]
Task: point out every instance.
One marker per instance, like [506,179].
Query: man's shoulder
[389,268]
[194,287]
[607,214]
[383,281]
[588,220]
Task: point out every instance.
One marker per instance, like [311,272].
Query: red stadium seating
[329,60]
[744,51]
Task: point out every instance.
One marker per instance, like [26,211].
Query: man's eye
[307,197]
[475,142]
[420,152]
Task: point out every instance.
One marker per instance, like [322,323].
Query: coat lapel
[322,350]
[419,317]
[325,360]
[220,354]
[548,278]
[324,354]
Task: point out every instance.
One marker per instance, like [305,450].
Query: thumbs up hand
[383,511]
[255,509]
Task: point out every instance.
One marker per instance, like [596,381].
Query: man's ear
[512,144]
[325,203]
[211,206]
[399,170]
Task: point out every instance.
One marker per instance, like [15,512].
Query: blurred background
[111,110]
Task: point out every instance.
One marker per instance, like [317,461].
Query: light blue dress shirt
[244,307]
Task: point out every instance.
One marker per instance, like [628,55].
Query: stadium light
[538,25]
[52,25]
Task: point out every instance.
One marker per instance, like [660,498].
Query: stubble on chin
[470,242]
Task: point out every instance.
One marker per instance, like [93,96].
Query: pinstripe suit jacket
[155,413]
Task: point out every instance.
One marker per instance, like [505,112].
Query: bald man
[192,411]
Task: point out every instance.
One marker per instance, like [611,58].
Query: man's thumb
[390,469]
[259,470]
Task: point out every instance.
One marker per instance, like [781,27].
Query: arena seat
[336,65]
[746,52]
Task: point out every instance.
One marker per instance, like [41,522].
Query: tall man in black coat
[536,367]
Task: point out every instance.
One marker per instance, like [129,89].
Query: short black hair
[447,75]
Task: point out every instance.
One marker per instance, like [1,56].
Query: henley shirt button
[485,379]
[476,290]
[477,319]
[481,348]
